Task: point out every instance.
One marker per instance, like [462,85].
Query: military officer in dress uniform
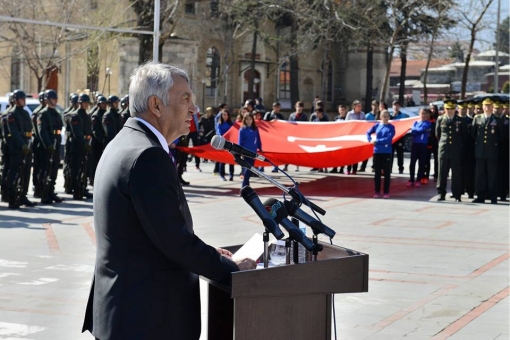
[49,126]
[19,129]
[111,120]
[504,159]
[478,106]
[81,135]
[471,108]
[468,162]
[98,134]
[37,149]
[451,131]
[487,132]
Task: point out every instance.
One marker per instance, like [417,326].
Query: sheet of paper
[252,249]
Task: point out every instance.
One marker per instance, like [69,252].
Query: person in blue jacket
[249,138]
[420,133]
[384,133]
[222,126]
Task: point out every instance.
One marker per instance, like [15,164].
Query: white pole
[496,71]
[155,45]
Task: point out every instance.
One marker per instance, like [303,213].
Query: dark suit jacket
[452,136]
[488,134]
[145,283]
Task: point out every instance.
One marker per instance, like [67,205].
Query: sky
[486,37]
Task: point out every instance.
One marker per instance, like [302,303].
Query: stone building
[218,73]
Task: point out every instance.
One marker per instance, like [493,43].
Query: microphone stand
[292,191]
[296,198]
[287,250]
[265,238]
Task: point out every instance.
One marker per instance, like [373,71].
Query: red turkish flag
[311,144]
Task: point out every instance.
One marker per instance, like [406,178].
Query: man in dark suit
[487,131]
[451,131]
[148,258]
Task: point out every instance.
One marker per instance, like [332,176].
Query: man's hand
[246,264]
[224,252]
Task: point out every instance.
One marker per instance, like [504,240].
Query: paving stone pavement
[437,270]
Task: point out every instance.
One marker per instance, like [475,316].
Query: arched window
[15,69]
[327,72]
[212,71]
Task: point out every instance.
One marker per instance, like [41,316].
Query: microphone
[251,197]
[220,143]
[278,211]
[317,226]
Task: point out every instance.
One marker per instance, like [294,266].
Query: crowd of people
[468,137]
[442,141]
[32,144]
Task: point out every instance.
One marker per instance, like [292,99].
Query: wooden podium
[287,302]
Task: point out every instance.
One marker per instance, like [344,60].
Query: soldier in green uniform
[49,126]
[451,132]
[468,162]
[111,120]
[19,129]
[37,148]
[487,132]
[81,135]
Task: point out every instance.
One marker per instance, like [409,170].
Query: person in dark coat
[468,163]
[487,132]
[148,259]
[81,135]
[98,134]
[49,127]
[112,122]
[503,171]
[37,149]
[19,131]
[451,131]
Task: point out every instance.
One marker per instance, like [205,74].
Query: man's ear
[154,106]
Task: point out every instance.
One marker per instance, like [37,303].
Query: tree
[402,19]
[170,13]
[442,10]
[506,87]
[504,35]
[37,46]
[471,19]
[456,52]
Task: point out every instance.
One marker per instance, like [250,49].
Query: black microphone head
[276,209]
[248,193]
[218,142]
